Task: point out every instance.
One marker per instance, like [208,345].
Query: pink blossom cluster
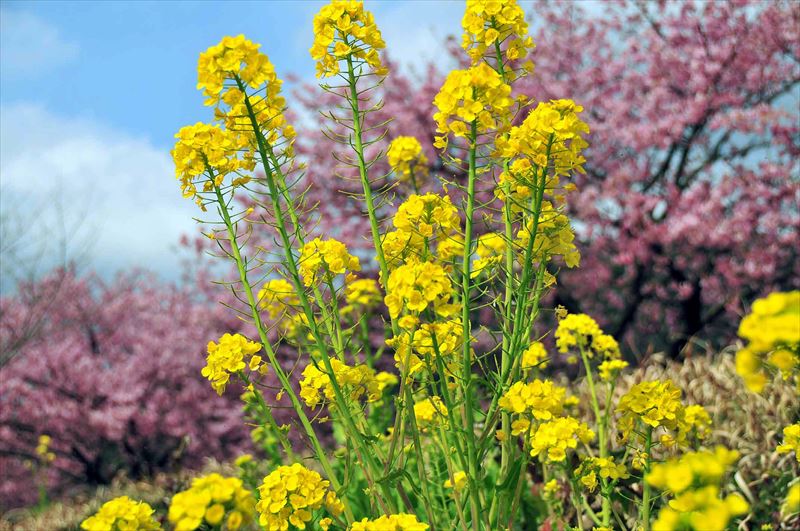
[111,372]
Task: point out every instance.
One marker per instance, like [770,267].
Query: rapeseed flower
[772,330]
[394,522]
[488,23]
[357,381]
[121,513]
[345,30]
[321,259]
[430,412]
[407,160]
[208,500]
[553,439]
[228,357]
[290,495]
[476,96]
[791,441]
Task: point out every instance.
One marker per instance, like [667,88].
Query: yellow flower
[415,286]
[773,331]
[407,160]
[693,480]
[791,505]
[554,237]
[554,438]
[791,441]
[430,412]
[291,494]
[121,513]
[344,30]
[459,481]
[605,468]
[429,215]
[655,403]
[233,57]
[550,136]
[355,382]
[609,369]
[320,259]
[394,522]
[535,356]
[490,23]
[542,399]
[204,154]
[208,499]
[226,358]
[577,330]
[277,297]
[361,294]
[474,97]
[490,249]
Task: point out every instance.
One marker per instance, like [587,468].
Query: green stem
[267,411]
[275,195]
[282,377]
[601,435]
[646,493]
[469,415]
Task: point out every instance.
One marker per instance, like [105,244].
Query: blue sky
[91,94]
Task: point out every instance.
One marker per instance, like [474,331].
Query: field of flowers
[479,305]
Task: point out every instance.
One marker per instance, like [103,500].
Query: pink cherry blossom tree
[111,372]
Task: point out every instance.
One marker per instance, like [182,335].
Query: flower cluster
[430,412]
[581,331]
[693,480]
[356,381]
[458,482]
[394,522]
[226,71]
[415,348]
[361,294]
[552,133]
[657,404]
[773,332]
[490,250]
[476,97]
[43,449]
[205,154]
[231,59]
[554,438]
[415,286]
[541,399]
[535,356]
[320,259]
[291,494]
[609,369]
[277,297]
[554,237]
[604,468]
[407,160]
[343,31]
[209,500]
[228,357]
[490,24]
[429,215]
[121,513]
[791,441]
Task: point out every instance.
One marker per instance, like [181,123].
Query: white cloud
[118,193]
[31,46]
